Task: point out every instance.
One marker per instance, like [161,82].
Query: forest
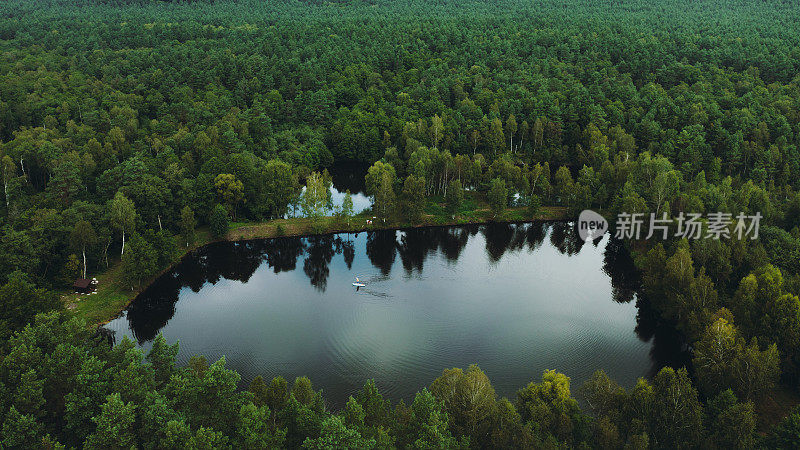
[127,127]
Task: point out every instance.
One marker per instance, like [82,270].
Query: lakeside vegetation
[114,395]
[127,124]
[114,293]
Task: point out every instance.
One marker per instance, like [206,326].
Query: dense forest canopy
[126,123]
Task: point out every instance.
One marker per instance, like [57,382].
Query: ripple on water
[532,308]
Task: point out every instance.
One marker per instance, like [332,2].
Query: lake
[345,177]
[516,299]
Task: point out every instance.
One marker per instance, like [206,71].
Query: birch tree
[83,236]
[123,216]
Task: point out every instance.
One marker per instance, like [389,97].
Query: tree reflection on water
[238,261]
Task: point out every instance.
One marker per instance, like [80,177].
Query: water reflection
[318,256]
[502,295]
[239,260]
[349,176]
[345,177]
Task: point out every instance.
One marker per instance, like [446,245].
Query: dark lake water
[346,176]
[515,299]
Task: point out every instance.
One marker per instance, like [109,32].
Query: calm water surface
[515,299]
[346,177]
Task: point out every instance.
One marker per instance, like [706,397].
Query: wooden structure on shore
[84,285]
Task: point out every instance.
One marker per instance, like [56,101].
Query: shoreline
[102,308]
[112,298]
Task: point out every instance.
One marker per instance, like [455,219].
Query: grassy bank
[113,295]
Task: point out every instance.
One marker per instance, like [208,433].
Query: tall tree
[140,263]
[495,139]
[454,197]
[511,129]
[280,187]
[677,419]
[21,301]
[413,198]
[8,169]
[335,434]
[498,196]
[437,127]
[380,180]
[83,236]
[474,140]
[723,361]
[230,191]
[316,196]
[470,401]
[729,423]
[123,216]
[549,405]
[385,197]
[564,186]
[218,222]
[188,225]
[115,425]
[347,206]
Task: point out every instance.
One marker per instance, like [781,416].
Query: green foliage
[550,406]
[259,390]
[427,426]
[454,197]
[534,204]
[347,207]
[113,399]
[335,434]
[782,248]
[724,361]
[21,431]
[277,394]
[376,409]
[677,414]
[255,429]
[165,247]
[353,414]
[22,300]
[497,196]
[279,188]
[380,181]
[470,400]
[218,222]
[302,390]
[115,425]
[140,262]
[731,424]
[71,270]
[787,433]
[83,236]
[413,198]
[122,215]
[230,191]
[316,197]
[187,226]
[604,396]
[564,187]
[667,414]
[679,291]
[162,358]
[110,127]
